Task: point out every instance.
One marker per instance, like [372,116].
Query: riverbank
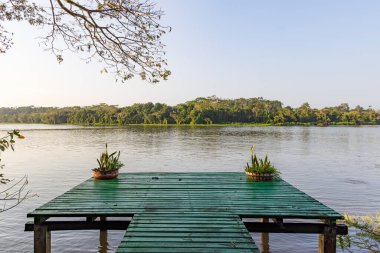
[201,111]
[201,125]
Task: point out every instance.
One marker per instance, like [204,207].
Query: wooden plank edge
[81,225]
[305,228]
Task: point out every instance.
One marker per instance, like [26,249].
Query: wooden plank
[184,250]
[42,239]
[302,228]
[81,225]
[186,238]
[264,238]
[195,191]
[172,234]
[227,244]
[181,237]
[181,229]
[176,207]
[327,240]
[246,213]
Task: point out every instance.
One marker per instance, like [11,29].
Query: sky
[318,51]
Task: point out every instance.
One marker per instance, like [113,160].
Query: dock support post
[42,237]
[103,238]
[327,240]
[264,238]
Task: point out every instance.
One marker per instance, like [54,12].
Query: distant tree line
[210,110]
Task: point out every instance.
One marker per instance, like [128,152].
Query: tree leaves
[124,35]
[211,110]
[7,142]
[364,233]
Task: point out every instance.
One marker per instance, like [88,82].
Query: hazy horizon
[125,105]
[321,52]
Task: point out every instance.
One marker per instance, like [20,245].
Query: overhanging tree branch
[124,35]
[13,195]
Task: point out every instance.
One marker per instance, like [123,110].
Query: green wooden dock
[186,212]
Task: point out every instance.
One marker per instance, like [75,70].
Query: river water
[339,166]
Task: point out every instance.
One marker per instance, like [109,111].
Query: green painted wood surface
[187,233]
[166,193]
[186,212]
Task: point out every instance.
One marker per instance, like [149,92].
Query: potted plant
[109,165]
[260,170]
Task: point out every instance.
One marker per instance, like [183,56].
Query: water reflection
[337,165]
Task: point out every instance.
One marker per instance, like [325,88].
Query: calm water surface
[339,166]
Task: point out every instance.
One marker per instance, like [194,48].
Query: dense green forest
[210,110]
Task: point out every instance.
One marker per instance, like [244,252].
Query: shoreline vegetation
[210,111]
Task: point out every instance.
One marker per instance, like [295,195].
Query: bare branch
[124,35]
[15,194]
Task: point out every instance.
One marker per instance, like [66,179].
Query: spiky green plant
[109,161]
[260,166]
